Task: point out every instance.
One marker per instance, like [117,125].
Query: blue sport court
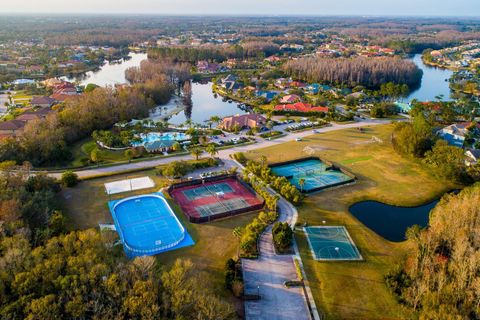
[316,174]
[147,225]
[331,243]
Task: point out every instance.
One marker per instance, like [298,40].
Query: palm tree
[212,149]
[196,152]
[213,119]
[301,183]
[263,160]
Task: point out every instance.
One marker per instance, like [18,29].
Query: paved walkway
[267,274]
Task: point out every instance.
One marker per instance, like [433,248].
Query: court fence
[330,166]
[226,214]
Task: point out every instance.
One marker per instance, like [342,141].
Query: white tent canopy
[129,185]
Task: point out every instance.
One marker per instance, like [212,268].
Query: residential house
[12,128]
[273,59]
[473,157]
[455,134]
[43,102]
[207,67]
[291,98]
[300,107]
[268,95]
[245,121]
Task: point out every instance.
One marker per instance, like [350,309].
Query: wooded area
[368,72]
[440,279]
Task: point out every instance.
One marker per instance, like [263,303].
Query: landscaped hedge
[282,236]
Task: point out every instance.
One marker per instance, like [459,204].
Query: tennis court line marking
[352,244]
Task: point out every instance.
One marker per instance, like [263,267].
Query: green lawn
[86,205]
[356,290]
[84,148]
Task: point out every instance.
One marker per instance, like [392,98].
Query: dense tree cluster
[413,138]
[217,53]
[368,72]
[440,278]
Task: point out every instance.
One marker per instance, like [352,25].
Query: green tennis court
[331,243]
[222,207]
[206,191]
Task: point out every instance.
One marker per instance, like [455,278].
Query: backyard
[353,290]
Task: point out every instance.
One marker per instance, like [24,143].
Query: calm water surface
[111,73]
[433,82]
[206,105]
[391,222]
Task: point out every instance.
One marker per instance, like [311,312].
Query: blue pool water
[315,173]
[147,225]
[158,136]
[331,243]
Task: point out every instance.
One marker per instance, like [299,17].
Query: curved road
[223,154]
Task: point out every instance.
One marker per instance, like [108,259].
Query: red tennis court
[204,201]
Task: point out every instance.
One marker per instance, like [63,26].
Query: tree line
[214,52]
[368,72]
[440,277]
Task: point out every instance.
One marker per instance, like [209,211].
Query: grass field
[356,290]
[84,148]
[86,205]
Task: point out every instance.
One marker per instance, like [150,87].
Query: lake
[391,222]
[110,73]
[205,104]
[433,82]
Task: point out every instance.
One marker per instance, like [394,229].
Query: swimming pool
[310,175]
[147,225]
[150,137]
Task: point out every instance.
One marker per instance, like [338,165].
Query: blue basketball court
[331,243]
[147,225]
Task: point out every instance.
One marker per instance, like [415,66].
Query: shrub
[282,236]
[240,157]
[69,179]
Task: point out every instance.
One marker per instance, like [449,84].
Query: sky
[250,7]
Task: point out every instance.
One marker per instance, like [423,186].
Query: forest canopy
[368,72]
[440,279]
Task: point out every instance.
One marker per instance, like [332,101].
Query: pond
[391,222]
[110,73]
[205,105]
[434,82]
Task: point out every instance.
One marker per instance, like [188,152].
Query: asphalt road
[223,154]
